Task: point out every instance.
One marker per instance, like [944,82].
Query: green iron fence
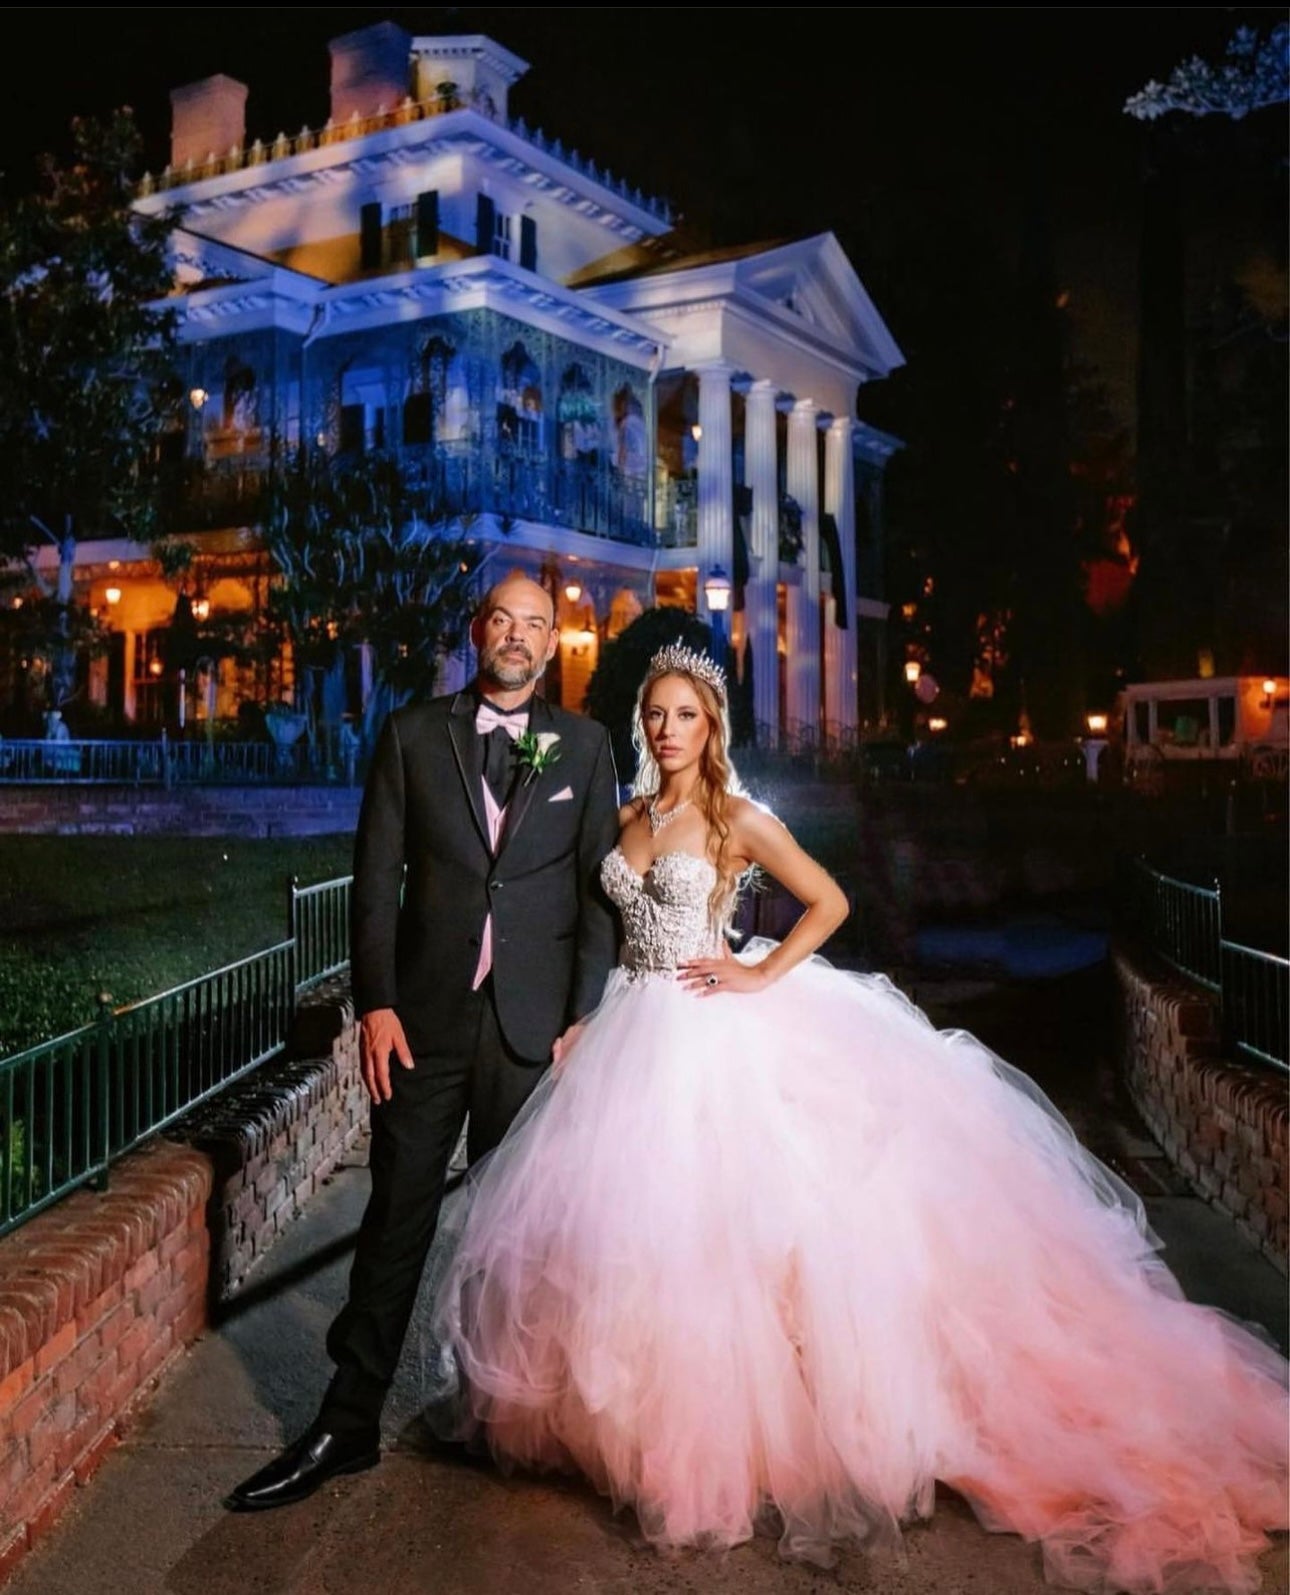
[71,1106]
[1183,924]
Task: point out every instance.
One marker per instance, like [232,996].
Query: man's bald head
[516,587]
[514,633]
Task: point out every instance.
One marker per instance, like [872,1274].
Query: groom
[479,933]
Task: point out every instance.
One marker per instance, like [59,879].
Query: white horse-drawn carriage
[1242,722]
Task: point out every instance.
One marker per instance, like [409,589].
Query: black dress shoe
[299,1470]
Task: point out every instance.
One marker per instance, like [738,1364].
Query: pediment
[813,283]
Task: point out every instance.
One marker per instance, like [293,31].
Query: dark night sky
[902,129]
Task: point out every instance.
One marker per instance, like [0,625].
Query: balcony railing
[591,498]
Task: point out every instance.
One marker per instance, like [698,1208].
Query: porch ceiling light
[912,671]
[197,397]
[573,591]
[113,595]
[201,608]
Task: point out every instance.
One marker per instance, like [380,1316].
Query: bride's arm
[756,835]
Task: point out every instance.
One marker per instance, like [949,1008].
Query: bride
[766,1249]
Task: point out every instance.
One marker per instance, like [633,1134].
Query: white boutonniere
[535,750]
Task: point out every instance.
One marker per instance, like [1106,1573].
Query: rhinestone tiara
[688,662]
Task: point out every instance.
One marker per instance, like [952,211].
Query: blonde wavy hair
[717,782]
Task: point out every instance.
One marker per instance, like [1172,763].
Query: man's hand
[561,1045]
[380,1035]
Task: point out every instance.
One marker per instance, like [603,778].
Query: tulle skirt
[790,1258]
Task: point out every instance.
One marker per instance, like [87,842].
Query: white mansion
[587,400]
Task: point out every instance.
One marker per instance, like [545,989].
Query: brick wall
[1223,1125]
[97,1297]
[101,1294]
[274,1138]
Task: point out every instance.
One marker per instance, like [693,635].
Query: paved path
[151,1519]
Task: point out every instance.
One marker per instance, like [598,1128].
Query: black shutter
[417,417]
[427,223]
[353,429]
[831,550]
[370,236]
[485,221]
[528,243]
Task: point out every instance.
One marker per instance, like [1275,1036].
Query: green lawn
[135,915]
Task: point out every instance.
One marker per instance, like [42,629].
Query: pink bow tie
[514,721]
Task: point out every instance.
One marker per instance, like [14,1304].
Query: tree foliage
[361,561]
[1254,74]
[85,366]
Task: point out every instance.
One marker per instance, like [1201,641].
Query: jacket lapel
[461,733]
[521,800]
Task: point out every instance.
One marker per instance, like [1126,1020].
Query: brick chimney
[370,68]
[207,117]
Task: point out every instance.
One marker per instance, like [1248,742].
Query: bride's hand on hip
[709,977]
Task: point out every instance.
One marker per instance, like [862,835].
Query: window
[1226,722]
[501,235]
[400,243]
[149,676]
[1184,722]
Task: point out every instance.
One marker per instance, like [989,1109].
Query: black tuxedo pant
[413,1138]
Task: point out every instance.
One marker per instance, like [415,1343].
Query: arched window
[578,417]
[438,408]
[241,401]
[519,402]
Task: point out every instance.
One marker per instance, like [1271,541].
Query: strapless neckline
[675,852]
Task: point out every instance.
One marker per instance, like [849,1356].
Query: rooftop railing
[260,153]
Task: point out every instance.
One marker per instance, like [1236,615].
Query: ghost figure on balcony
[631,440]
[519,402]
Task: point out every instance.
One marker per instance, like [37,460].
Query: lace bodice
[666,916]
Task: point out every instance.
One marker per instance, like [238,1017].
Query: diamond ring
[711,980]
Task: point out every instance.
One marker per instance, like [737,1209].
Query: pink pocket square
[564,795]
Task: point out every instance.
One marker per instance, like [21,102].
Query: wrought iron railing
[1183,924]
[318,924]
[587,496]
[1181,921]
[1256,1013]
[165,762]
[71,1106]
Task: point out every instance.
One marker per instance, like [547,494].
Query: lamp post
[716,589]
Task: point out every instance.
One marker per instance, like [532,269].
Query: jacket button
[495,886]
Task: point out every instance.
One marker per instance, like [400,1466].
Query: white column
[804,600]
[760,609]
[716,481]
[841,681]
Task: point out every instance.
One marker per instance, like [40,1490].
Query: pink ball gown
[788,1258]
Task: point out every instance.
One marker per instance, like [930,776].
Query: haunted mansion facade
[578,394]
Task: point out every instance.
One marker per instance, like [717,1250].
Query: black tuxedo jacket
[425,879]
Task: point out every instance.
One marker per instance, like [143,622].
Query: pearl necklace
[658,818]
